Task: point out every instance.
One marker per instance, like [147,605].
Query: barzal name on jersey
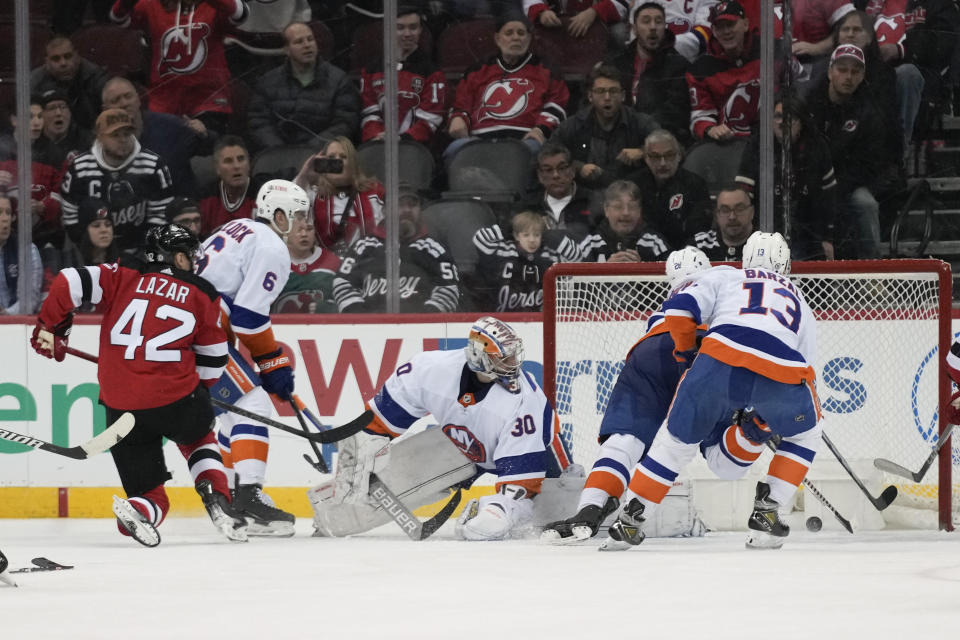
[758,320]
[249,264]
[160,335]
[513,435]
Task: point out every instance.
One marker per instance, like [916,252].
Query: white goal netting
[881,330]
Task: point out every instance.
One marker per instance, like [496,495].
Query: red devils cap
[848,51]
[727,10]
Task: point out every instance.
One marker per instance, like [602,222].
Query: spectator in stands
[303,101]
[79,79]
[421,87]
[65,136]
[676,202]
[312,269]
[189,75]
[97,244]
[233,194]
[733,222]
[813,21]
[9,304]
[623,235]
[45,183]
[347,203]
[560,200]
[653,72]
[605,138]
[134,182]
[582,13]
[730,66]
[813,182]
[260,37]
[186,213]
[513,95]
[176,140]
[509,275]
[429,282]
[844,112]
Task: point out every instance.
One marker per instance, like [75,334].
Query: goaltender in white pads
[496,415]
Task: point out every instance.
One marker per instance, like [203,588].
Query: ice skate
[263,518]
[4,576]
[134,523]
[581,526]
[222,513]
[625,532]
[767,531]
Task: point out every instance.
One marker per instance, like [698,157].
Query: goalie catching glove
[276,375]
[494,517]
[51,341]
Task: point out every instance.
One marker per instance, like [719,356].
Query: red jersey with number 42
[160,335]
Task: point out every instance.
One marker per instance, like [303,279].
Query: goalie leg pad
[419,470]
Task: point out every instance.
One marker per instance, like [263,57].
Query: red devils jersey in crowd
[894,18]
[188,72]
[723,90]
[498,100]
[421,91]
[609,11]
[160,334]
[217,209]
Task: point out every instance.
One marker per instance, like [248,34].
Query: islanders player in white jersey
[495,413]
[248,262]
[758,352]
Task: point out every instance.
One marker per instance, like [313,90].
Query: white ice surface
[898,585]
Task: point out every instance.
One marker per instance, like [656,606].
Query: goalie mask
[495,352]
[285,197]
[682,262]
[767,251]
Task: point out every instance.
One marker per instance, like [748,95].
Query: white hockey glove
[494,517]
[359,456]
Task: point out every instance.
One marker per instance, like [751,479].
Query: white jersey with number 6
[514,435]
[249,264]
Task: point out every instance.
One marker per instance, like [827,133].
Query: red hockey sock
[203,458]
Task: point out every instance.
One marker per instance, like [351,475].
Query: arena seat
[122,52]
[453,222]
[571,57]
[464,44]
[281,162]
[491,167]
[415,166]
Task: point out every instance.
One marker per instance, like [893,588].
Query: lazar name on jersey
[509,434]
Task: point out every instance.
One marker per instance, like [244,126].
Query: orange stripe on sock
[734,448]
[648,488]
[605,481]
[227,458]
[788,470]
[249,450]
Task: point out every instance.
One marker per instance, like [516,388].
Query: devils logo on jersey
[468,443]
[741,108]
[505,99]
[183,49]
[676,201]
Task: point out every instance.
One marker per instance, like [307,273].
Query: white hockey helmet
[495,352]
[767,251]
[283,196]
[683,262]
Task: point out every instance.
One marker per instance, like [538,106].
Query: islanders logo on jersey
[183,49]
[505,99]
[468,443]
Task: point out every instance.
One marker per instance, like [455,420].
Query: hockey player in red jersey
[161,346]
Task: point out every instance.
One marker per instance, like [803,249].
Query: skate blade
[763,540]
[612,544]
[577,534]
[144,533]
[6,579]
[269,529]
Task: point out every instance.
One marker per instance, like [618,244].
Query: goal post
[883,331]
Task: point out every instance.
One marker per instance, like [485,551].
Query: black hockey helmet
[163,243]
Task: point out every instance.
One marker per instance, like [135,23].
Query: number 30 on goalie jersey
[513,435]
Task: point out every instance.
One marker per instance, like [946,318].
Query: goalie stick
[772,445]
[400,514]
[331,435]
[98,444]
[887,496]
[892,467]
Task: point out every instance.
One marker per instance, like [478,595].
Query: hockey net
[883,328]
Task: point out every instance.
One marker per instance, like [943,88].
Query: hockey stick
[98,444]
[400,514]
[887,496]
[815,491]
[319,464]
[331,435]
[892,467]
[43,564]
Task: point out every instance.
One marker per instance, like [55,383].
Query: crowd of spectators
[228,80]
